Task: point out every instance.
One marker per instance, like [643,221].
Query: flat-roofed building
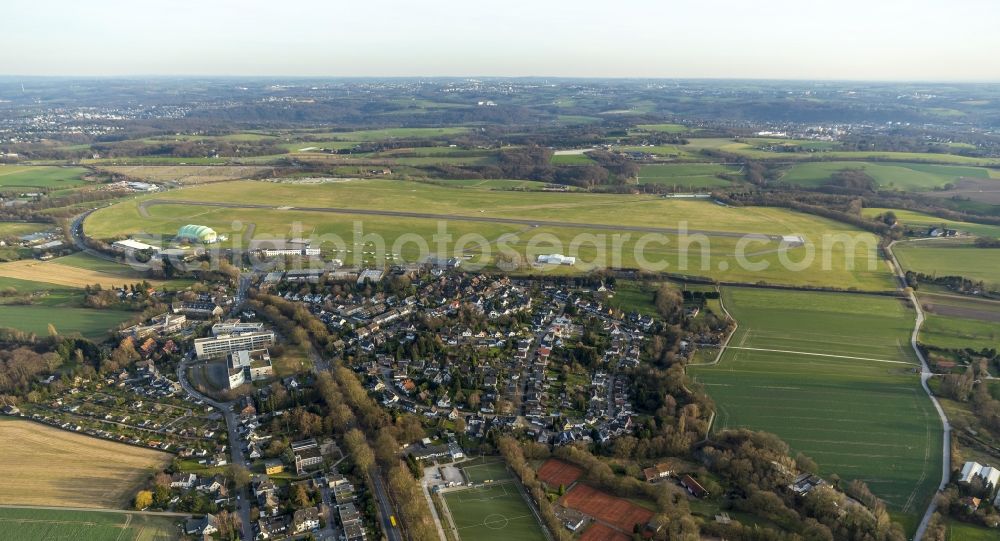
[234,326]
[222,345]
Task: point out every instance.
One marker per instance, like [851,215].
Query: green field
[391,133]
[572,159]
[956,322]
[90,323]
[919,219]
[833,375]
[18,229]
[496,512]
[26,176]
[484,469]
[713,254]
[690,175]
[950,258]
[959,531]
[903,176]
[753,148]
[663,128]
[45,525]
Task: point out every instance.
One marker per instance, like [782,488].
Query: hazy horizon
[850,40]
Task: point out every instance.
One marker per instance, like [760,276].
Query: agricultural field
[663,128]
[710,248]
[58,305]
[494,512]
[950,258]
[687,175]
[51,467]
[901,176]
[834,376]
[919,219]
[89,322]
[188,174]
[18,229]
[43,524]
[390,133]
[956,322]
[75,272]
[53,178]
[753,148]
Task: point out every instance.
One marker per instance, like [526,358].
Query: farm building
[693,487]
[989,474]
[197,233]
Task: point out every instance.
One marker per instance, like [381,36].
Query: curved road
[235,447]
[925,375]
[456,217]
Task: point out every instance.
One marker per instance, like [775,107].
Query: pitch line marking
[821,355]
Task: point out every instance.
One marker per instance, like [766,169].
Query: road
[235,444]
[384,505]
[458,218]
[925,375]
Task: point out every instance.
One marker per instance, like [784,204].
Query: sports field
[687,175]
[616,512]
[495,512]
[950,258]
[555,472]
[835,377]
[43,465]
[45,525]
[595,217]
[903,176]
[27,176]
[481,470]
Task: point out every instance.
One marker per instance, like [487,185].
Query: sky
[926,40]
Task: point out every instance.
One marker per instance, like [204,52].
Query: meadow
[595,219]
[28,176]
[187,174]
[17,229]
[495,512]
[919,219]
[902,176]
[950,258]
[752,148]
[834,376]
[90,323]
[663,128]
[690,175]
[47,466]
[42,524]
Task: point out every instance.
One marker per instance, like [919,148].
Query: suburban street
[235,444]
[385,509]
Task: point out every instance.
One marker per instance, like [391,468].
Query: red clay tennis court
[602,532]
[620,513]
[555,472]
